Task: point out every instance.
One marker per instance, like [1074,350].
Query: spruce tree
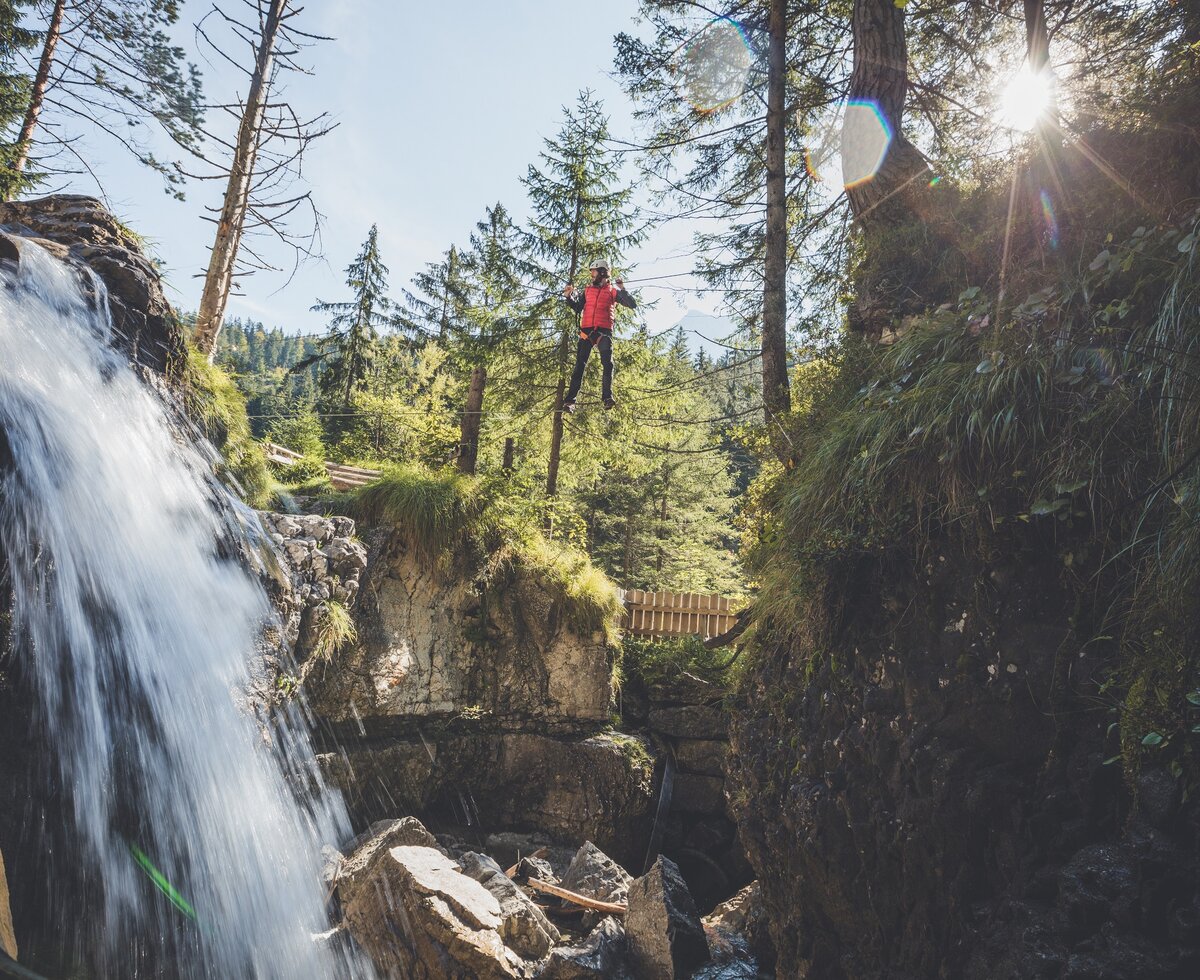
[114,65]
[580,213]
[347,352]
[493,316]
[437,306]
[14,91]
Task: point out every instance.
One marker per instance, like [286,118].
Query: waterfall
[194,827]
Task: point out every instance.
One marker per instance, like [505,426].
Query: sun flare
[1026,100]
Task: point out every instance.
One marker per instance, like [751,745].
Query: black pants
[601,339]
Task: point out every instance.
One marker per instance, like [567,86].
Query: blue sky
[441,108]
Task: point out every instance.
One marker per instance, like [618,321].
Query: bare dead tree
[262,165]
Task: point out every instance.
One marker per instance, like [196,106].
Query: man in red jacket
[595,304]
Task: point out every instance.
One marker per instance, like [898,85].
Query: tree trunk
[468,450]
[880,79]
[509,447]
[37,97]
[444,325]
[564,352]
[776,394]
[219,279]
[556,431]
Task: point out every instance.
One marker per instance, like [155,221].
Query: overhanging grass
[446,515]
[214,402]
[1070,432]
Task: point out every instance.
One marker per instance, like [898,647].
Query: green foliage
[219,408]
[347,353]
[335,629]
[436,511]
[654,660]
[14,92]
[446,515]
[1072,430]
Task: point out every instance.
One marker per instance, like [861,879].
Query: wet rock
[80,228]
[666,937]
[691,721]
[602,955]
[382,836]
[525,927]
[417,916]
[594,874]
[8,938]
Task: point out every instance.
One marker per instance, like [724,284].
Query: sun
[1026,100]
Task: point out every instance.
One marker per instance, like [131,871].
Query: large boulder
[382,836]
[81,228]
[524,926]
[603,955]
[434,643]
[418,917]
[594,874]
[666,937]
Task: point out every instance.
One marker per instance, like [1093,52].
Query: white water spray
[136,636]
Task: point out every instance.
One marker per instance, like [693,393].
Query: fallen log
[611,908]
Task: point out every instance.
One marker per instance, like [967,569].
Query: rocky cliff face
[81,229]
[929,797]
[435,644]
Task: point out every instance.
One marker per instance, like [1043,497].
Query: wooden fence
[342,477]
[676,614]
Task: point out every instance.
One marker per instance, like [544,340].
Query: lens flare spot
[161,883]
[715,65]
[1026,99]
[866,137]
[1050,219]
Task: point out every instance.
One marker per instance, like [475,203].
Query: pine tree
[347,352]
[579,214]
[114,65]
[14,91]
[436,308]
[494,316]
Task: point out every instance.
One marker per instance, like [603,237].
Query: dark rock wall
[928,796]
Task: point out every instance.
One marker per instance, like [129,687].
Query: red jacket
[596,304]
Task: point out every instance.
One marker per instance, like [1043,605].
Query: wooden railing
[676,614]
[342,477]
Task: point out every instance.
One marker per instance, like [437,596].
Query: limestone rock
[80,228]
[432,644]
[666,938]
[737,930]
[534,867]
[382,836]
[418,917]
[525,927]
[602,955]
[8,938]
[568,789]
[698,794]
[594,874]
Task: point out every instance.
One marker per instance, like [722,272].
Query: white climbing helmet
[600,264]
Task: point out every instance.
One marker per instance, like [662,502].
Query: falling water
[197,856]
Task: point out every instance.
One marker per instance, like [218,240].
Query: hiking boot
[569,406]
[609,403]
